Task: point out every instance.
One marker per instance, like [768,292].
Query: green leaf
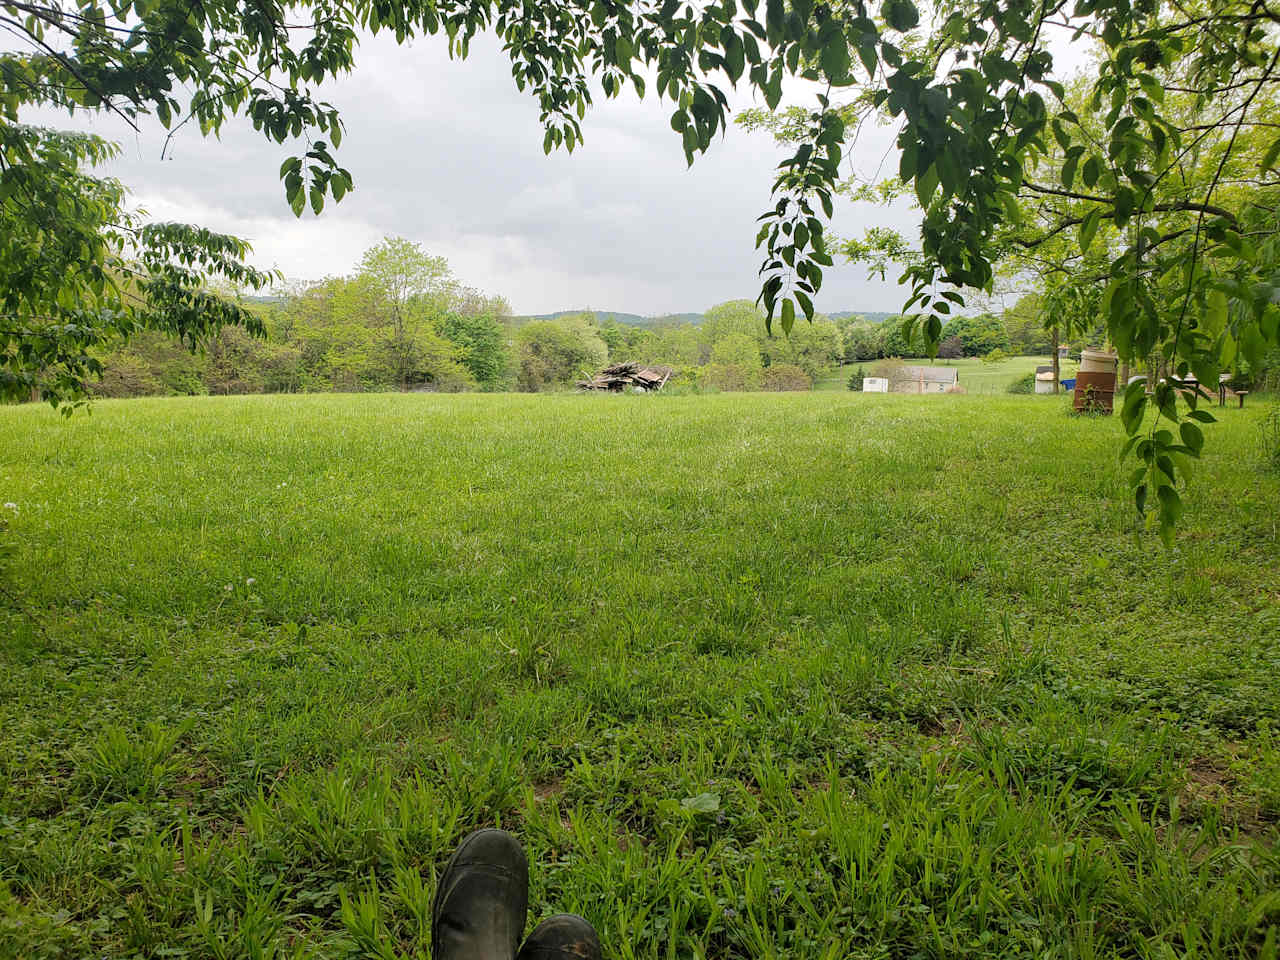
[1069,170]
[1089,227]
[1092,168]
[926,183]
[835,60]
[1135,405]
[1170,502]
[1192,436]
[1227,354]
[788,315]
[900,15]
[867,54]
[702,803]
[806,304]
[1273,151]
[1215,315]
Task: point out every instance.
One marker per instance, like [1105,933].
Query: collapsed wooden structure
[625,376]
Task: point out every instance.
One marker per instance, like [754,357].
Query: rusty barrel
[1095,391]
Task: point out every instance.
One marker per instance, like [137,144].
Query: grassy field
[811,675]
[976,376]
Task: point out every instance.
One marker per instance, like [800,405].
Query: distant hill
[631,319]
[871,316]
[639,320]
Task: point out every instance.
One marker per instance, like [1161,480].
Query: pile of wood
[627,376]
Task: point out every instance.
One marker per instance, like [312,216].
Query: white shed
[875,385]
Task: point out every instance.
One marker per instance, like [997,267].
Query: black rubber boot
[562,937]
[480,905]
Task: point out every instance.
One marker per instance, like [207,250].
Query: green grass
[976,376]
[812,675]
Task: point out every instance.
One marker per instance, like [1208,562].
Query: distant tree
[894,341]
[735,364]
[235,362]
[857,378]
[863,341]
[732,317]
[737,349]
[484,345]
[951,347]
[978,334]
[814,347]
[678,344]
[1025,326]
[551,354]
[614,337]
[400,278]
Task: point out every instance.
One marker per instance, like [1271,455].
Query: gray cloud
[449,153]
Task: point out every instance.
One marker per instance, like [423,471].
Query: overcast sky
[449,153]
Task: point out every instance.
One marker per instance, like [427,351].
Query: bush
[1024,384]
[787,376]
[127,375]
[726,377]
[550,354]
[995,356]
[857,377]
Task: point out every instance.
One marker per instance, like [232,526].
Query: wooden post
[1057,388]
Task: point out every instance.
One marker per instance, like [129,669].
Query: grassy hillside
[976,376]
[809,675]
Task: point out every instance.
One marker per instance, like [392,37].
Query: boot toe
[481,901]
[562,937]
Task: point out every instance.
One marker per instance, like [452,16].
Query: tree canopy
[981,117]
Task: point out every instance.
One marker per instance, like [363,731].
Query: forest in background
[401,321]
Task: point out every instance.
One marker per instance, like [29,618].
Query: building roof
[930,374]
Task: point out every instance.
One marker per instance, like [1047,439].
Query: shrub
[127,375]
[550,354]
[1024,384]
[725,377]
[857,377]
[995,356]
[787,376]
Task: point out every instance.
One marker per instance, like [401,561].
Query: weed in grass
[132,765]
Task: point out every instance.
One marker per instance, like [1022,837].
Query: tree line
[402,321]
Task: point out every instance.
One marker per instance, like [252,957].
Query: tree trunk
[1057,372]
